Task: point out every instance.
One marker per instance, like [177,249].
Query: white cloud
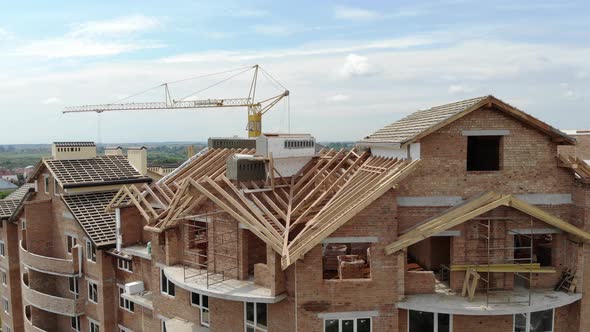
[94,38]
[456,89]
[308,50]
[116,27]
[355,65]
[51,100]
[338,98]
[67,47]
[354,14]
[5,34]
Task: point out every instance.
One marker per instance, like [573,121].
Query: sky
[351,67]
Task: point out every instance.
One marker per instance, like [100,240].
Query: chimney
[113,151]
[137,157]
[73,150]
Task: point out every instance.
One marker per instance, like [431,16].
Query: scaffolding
[213,248]
[498,253]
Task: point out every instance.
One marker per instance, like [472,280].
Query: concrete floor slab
[231,289]
[451,303]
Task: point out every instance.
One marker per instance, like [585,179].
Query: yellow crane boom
[255,108]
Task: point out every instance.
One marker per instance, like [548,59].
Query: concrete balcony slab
[232,289]
[514,302]
[51,265]
[54,304]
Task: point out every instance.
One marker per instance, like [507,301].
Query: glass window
[202,302]
[166,286]
[70,243]
[422,321]
[256,317]
[75,323]
[2,249]
[74,285]
[124,303]
[92,292]
[93,326]
[125,265]
[332,325]
[347,325]
[90,251]
[539,321]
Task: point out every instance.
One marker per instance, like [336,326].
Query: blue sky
[351,67]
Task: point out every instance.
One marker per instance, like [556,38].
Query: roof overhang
[472,208]
[490,101]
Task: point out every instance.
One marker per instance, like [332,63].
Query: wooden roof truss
[299,212]
[579,166]
[472,208]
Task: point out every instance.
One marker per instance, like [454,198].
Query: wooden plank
[548,218]
[419,235]
[254,228]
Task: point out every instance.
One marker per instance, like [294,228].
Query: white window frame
[6,305]
[168,283]
[46,183]
[90,251]
[127,304]
[92,322]
[3,277]
[528,320]
[23,224]
[77,321]
[2,248]
[91,292]
[55,187]
[76,290]
[6,328]
[124,329]
[350,318]
[74,242]
[255,326]
[435,321]
[202,308]
[163,325]
[125,265]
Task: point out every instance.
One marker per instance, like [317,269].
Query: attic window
[483,153]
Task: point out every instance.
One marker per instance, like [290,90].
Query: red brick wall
[528,155]
[315,295]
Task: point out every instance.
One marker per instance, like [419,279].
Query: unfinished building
[460,217]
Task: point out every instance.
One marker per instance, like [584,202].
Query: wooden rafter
[472,208]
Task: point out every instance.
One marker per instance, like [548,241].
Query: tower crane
[256,109]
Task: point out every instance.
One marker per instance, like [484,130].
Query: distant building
[7,186]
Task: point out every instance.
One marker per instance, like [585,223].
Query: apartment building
[460,217]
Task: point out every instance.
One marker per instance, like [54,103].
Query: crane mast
[256,109]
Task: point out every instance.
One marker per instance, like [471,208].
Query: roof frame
[472,208]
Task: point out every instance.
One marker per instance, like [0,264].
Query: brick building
[461,217]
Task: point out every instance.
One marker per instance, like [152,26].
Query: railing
[54,304]
[51,265]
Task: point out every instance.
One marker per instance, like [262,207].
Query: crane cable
[243,69]
[215,84]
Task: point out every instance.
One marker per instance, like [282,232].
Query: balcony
[29,327]
[444,300]
[56,266]
[228,289]
[50,303]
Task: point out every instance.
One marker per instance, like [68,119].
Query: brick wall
[315,295]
